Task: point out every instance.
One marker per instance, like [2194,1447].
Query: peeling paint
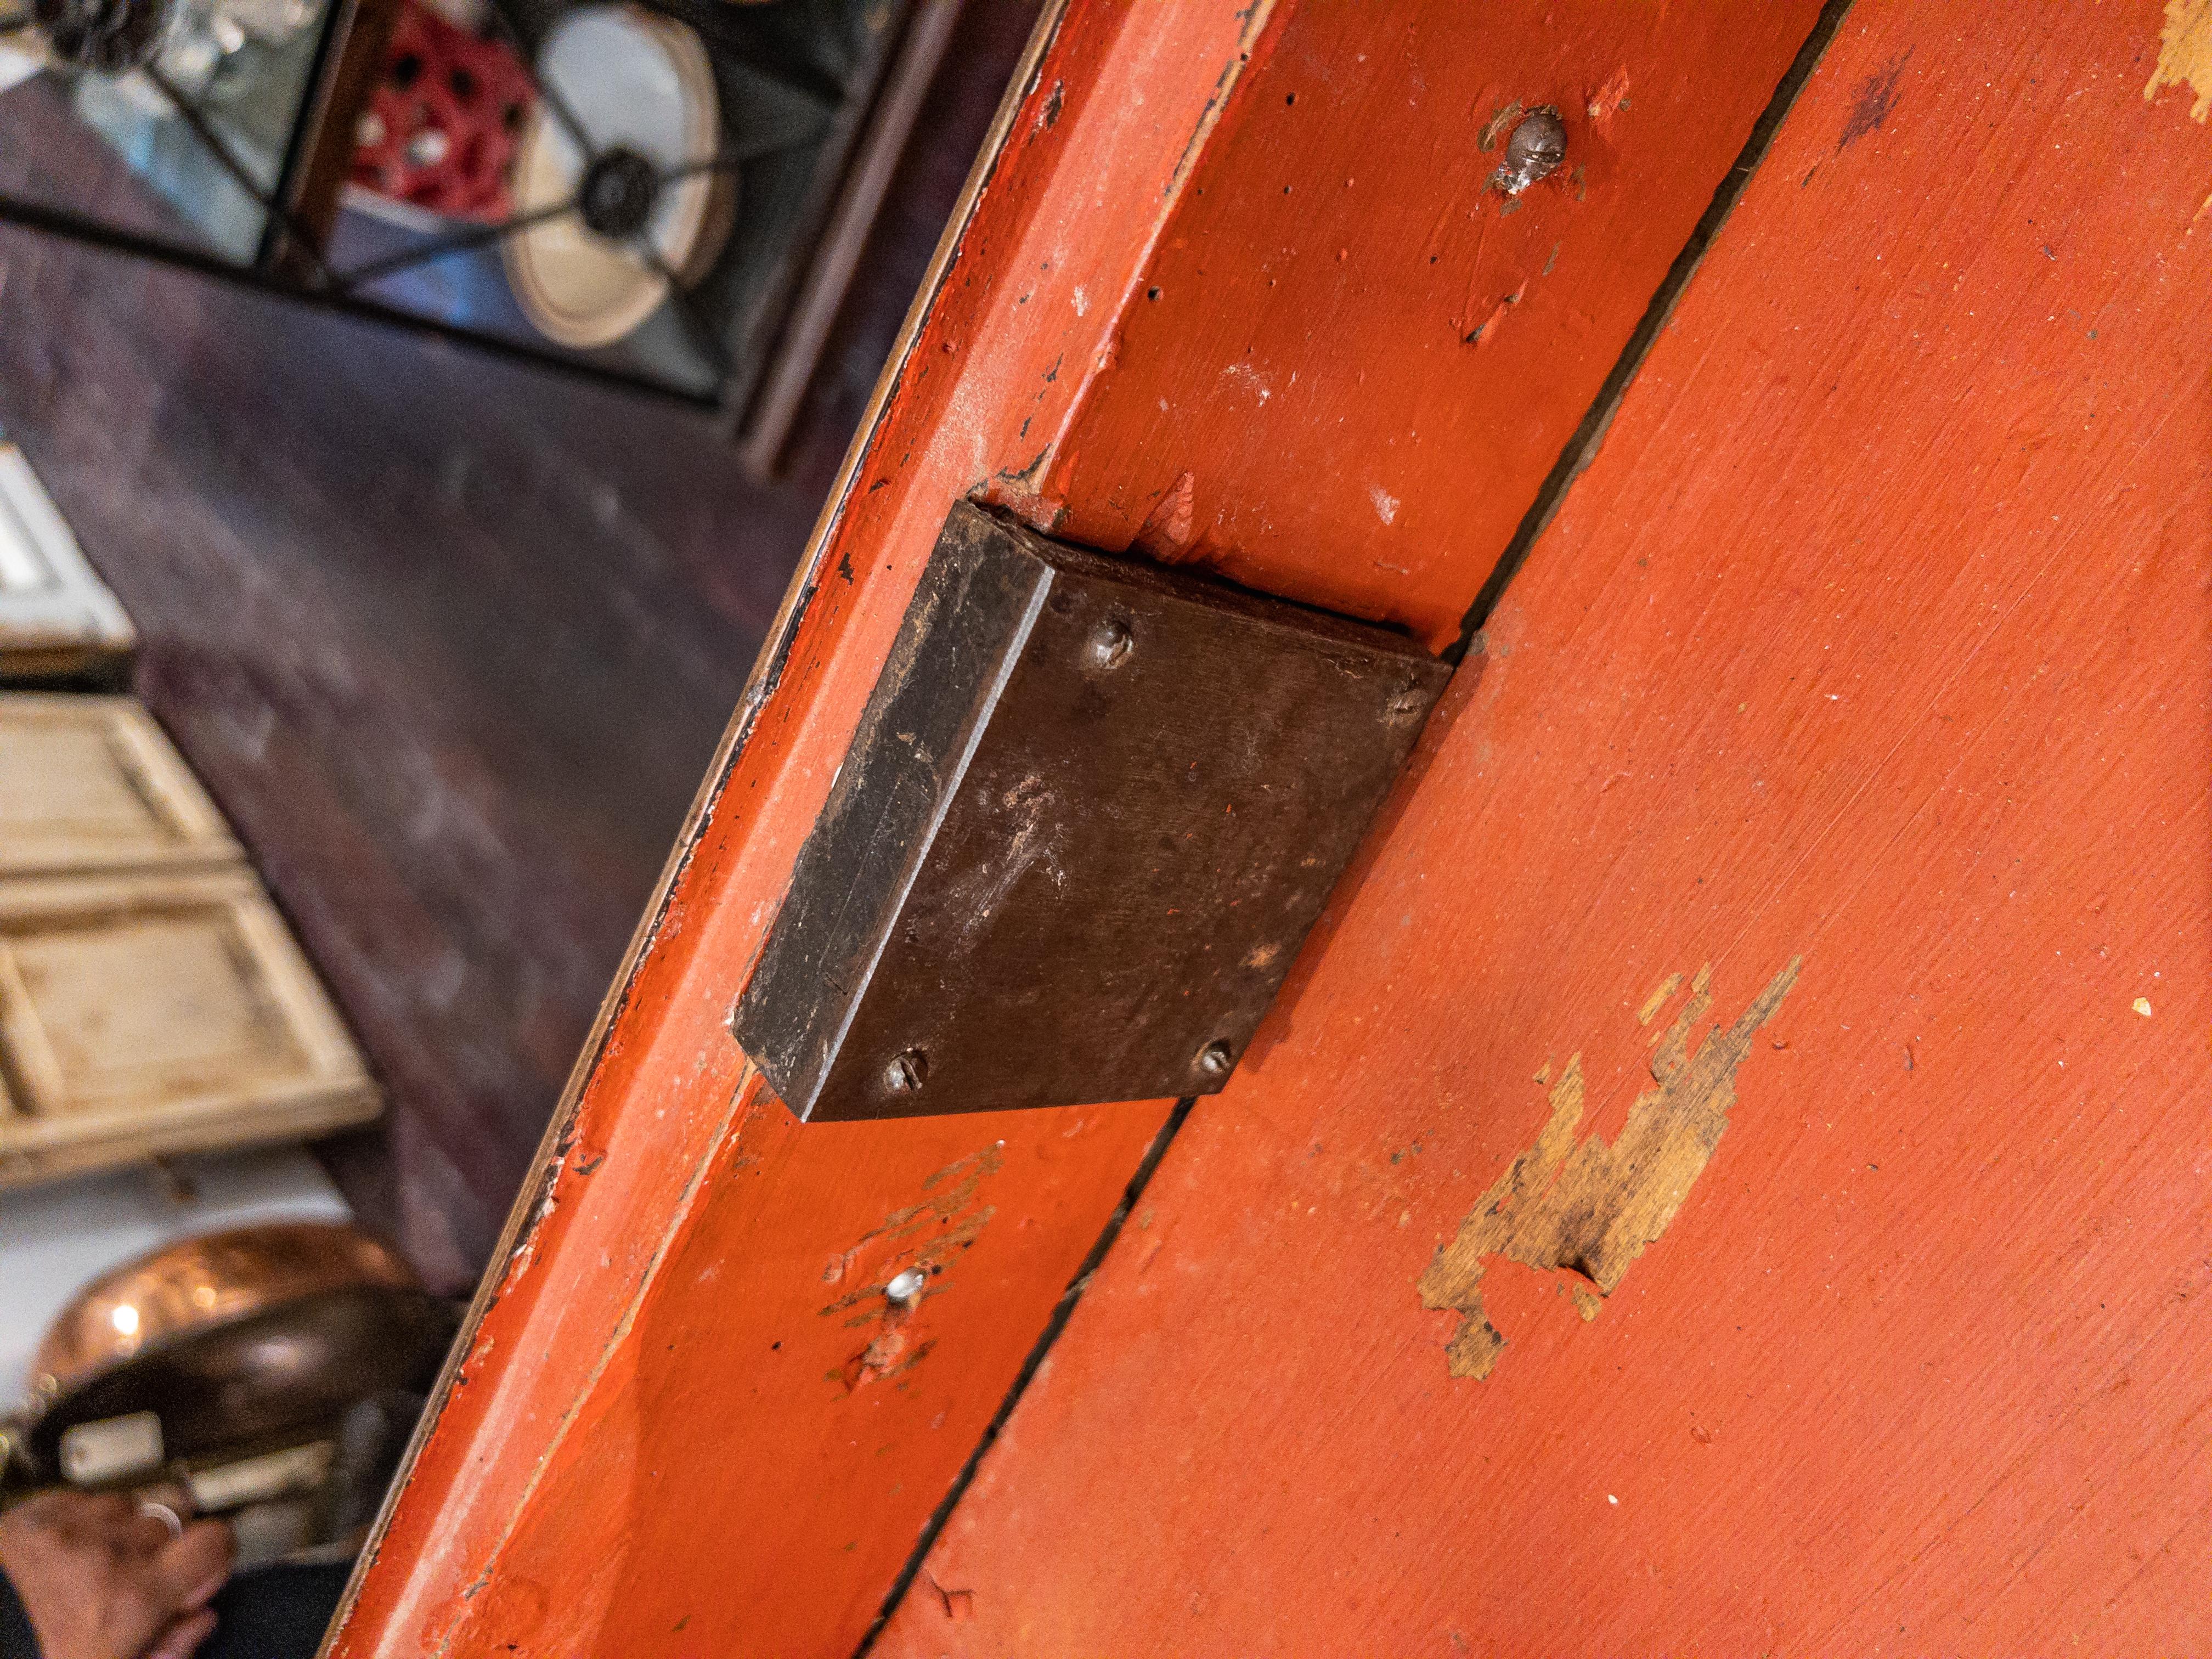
[1480,335]
[1588,1208]
[924,1237]
[1608,99]
[2185,55]
[1658,999]
[1166,532]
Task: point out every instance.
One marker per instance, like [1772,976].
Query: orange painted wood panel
[674,1431]
[561,1458]
[1786,977]
[1355,360]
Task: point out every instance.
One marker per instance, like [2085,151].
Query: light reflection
[125,1319]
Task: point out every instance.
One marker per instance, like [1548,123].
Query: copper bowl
[236,1337]
[197,1284]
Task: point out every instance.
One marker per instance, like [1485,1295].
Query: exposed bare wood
[151,1014]
[91,783]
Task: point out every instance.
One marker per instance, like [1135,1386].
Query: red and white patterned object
[440,130]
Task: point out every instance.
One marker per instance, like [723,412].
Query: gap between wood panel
[1061,1312]
[1582,446]
[1580,449]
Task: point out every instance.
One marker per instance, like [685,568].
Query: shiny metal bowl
[234,1339]
[200,1285]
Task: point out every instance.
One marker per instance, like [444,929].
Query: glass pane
[116,149]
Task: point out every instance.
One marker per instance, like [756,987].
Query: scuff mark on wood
[959,1604]
[1025,478]
[1877,96]
[1493,129]
[1660,997]
[2185,55]
[1608,100]
[927,1237]
[1482,331]
[1588,1208]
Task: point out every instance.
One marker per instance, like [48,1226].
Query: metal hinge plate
[1091,811]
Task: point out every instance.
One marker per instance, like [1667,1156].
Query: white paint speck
[1251,379]
[2142,1006]
[1610,1498]
[1082,303]
[1386,504]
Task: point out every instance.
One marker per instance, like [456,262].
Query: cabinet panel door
[1733,1178]
[144,1015]
[1232,287]
[91,783]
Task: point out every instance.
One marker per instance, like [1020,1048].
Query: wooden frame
[57,616]
[355,44]
[142,1015]
[772,402]
[1726,1173]
[92,783]
[682,1402]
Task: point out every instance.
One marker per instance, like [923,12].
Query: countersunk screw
[1110,644]
[1214,1060]
[906,1073]
[1405,702]
[1535,151]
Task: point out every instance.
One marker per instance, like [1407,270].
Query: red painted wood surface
[1875,639]
[660,1441]
[1354,361]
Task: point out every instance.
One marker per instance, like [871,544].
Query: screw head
[1535,151]
[1110,644]
[906,1287]
[1405,702]
[1214,1060]
[906,1072]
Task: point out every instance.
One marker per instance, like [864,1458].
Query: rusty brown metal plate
[1090,811]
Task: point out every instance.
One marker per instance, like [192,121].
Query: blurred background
[413,413]
[448,525]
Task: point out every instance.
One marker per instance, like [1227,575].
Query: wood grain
[578,1460]
[91,783]
[151,1014]
[1875,636]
